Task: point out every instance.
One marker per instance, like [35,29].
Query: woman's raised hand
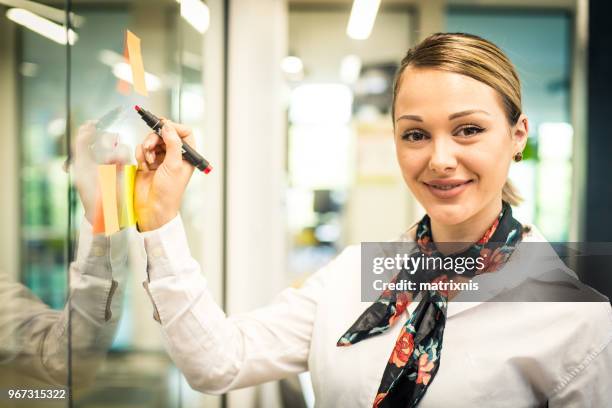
[162,176]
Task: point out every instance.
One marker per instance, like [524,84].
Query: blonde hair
[472,56]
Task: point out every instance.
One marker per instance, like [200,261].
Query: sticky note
[123,87]
[107,175]
[135,57]
[98,220]
[128,216]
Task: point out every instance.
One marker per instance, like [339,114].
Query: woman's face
[453,143]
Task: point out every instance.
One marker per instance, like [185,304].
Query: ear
[520,132]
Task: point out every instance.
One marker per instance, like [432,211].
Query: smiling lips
[447,188]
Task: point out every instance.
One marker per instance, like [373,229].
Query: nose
[442,158]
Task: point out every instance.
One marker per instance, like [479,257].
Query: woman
[458,124]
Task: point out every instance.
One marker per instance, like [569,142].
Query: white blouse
[495,354]
[35,340]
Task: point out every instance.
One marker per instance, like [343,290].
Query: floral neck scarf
[415,359]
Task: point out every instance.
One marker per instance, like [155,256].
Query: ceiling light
[350,67]
[292,65]
[51,13]
[362,19]
[42,26]
[195,13]
[123,71]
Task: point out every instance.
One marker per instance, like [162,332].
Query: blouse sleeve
[588,384]
[217,353]
[35,339]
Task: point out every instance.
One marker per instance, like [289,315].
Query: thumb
[173,144]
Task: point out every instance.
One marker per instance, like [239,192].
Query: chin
[448,213]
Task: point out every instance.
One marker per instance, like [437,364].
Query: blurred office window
[539,44]
[344,186]
[41,73]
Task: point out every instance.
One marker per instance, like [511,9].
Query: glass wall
[76,320]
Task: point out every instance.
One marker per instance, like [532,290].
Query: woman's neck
[460,236]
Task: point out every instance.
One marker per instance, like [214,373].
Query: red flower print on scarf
[493,260]
[425,366]
[441,278]
[404,346]
[402,301]
[414,360]
[379,398]
[487,235]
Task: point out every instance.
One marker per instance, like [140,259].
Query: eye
[414,136]
[469,130]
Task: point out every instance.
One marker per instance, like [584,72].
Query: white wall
[256,152]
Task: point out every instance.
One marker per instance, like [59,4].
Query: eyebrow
[450,117]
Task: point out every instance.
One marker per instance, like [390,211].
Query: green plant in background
[531,149]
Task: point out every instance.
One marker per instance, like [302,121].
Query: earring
[518,157]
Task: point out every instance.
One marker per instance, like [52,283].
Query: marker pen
[189,153]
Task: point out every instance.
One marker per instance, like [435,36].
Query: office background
[294,116]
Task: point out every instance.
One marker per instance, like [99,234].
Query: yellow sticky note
[135,56]
[107,174]
[128,216]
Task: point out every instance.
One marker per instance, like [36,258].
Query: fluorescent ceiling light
[292,65]
[42,26]
[123,71]
[51,13]
[362,19]
[350,67]
[110,58]
[195,13]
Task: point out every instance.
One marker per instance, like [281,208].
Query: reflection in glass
[68,93]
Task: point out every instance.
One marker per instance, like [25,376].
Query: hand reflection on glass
[37,341]
[92,147]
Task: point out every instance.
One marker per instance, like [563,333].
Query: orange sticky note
[135,56]
[98,221]
[123,87]
[107,175]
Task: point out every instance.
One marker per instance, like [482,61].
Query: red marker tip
[138,109]
[208,169]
